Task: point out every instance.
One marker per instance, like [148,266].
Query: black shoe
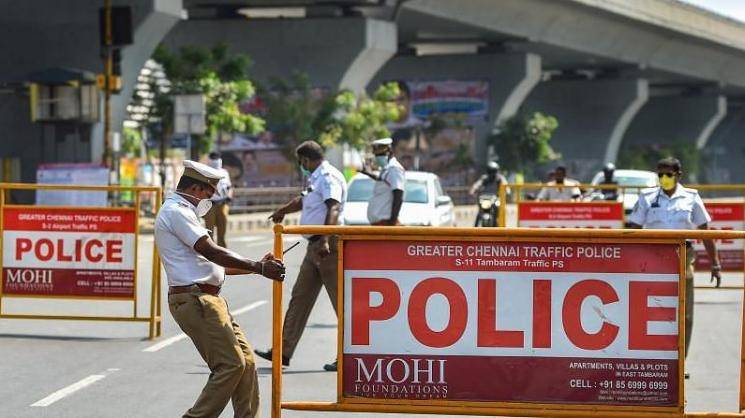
[267,355]
[331,367]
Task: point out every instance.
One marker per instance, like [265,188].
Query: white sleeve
[542,194]
[395,178]
[185,225]
[699,216]
[331,188]
[639,213]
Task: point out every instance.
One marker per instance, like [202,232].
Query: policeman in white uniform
[322,203]
[196,267]
[672,206]
[388,193]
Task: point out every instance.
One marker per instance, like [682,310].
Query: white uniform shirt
[177,229]
[326,182]
[683,210]
[223,187]
[560,194]
[381,203]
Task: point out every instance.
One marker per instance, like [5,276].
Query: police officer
[388,194]
[217,217]
[322,203]
[672,206]
[196,267]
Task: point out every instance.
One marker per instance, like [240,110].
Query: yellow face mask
[668,183]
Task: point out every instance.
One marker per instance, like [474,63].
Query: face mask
[203,206]
[381,160]
[304,171]
[668,183]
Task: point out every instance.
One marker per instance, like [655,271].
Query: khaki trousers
[690,258]
[315,272]
[222,345]
[218,217]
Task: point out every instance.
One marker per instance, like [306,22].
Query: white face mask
[203,206]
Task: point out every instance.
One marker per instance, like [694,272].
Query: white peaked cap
[202,172]
[382,142]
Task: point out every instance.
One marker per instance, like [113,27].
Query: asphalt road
[88,369]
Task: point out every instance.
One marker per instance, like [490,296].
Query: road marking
[176,338]
[69,390]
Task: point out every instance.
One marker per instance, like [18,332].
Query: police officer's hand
[273,269]
[277,217]
[716,275]
[324,249]
[268,257]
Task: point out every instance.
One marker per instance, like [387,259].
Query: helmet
[610,167]
[492,167]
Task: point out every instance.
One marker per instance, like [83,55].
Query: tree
[645,157]
[295,112]
[221,77]
[522,141]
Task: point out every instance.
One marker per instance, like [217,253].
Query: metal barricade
[651,262]
[76,253]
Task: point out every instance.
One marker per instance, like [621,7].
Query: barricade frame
[483,408]
[154,318]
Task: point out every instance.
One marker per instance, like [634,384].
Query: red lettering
[89,246]
[571,315]
[488,335]
[542,314]
[41,253]
[640,313]
[418,312]
[363,313]
[114,251]
[23,245]
[61,256]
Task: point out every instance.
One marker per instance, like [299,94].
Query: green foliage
[645,157]
[131,141]
[221,77]
[295,113]
[357,120]
[522,141]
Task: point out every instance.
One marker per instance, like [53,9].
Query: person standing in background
[218,215]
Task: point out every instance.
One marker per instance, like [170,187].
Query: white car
[634,178]
[425,204]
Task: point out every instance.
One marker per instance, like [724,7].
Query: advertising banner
[495,321]
[82,174]
[724,216]
[570,215]
[68,252]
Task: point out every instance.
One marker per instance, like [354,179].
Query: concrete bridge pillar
[593,116]
[68,37]
[670,119]
[725,149]
[336,53]
[511,78]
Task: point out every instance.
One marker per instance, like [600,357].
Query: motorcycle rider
[608,171]
[488,183]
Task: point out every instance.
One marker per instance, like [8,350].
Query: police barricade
[726,206]
[589,211]
[75,252]
[505,322]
